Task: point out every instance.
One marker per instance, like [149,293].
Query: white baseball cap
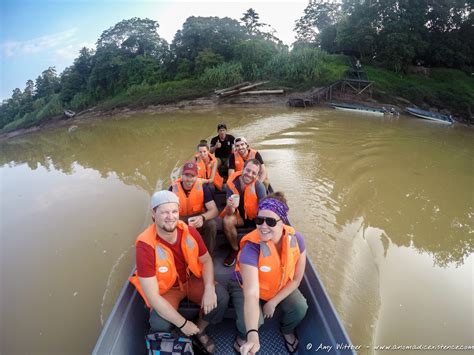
[162,197]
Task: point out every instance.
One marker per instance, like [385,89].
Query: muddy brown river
[386,206]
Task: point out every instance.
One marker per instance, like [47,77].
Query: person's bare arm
[209,298]
[251,290]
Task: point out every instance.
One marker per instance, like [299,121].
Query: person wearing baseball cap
[172,264]
[196,205]
[222,145]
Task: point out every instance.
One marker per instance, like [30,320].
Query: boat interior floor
[224,334]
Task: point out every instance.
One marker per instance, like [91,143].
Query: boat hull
[127,324]
[430,116]
[359,109]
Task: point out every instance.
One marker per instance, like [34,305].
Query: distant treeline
[133,65]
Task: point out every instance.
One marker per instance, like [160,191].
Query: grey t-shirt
[260,190]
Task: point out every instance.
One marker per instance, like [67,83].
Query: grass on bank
[143,95]
[444,89]
[44,110]
[449,89]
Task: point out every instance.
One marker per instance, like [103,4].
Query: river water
[386,206]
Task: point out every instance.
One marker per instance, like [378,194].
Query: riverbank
[207,102]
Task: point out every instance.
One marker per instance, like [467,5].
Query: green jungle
[418,52]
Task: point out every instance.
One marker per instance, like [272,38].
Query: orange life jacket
[204,171]
[192,204]
[274,271]
[166,274]
[239,161]
[250,196]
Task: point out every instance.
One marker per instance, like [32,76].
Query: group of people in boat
[173,255]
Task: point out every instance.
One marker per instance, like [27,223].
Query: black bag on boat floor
[168,344]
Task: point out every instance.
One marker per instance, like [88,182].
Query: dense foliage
[133,66]
[394,33]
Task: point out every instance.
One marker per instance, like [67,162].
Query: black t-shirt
[232,160]
[226,149]
[205,189]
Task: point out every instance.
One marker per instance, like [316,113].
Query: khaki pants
[193,291]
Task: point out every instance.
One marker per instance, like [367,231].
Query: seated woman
[270,265]
[207,166]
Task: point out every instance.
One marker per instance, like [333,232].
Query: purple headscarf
[276,206]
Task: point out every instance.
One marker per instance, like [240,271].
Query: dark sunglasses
[270,221]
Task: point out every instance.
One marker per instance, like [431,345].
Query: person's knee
[299,311]
[228,222]
[212,226]
[222,296]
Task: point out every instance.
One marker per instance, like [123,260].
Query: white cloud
[39,44]
[71,51]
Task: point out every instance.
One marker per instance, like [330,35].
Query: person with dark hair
[222,145]
[172,264]
[269,270]
[242,153]
[197,206]
[207,166]
[248,191]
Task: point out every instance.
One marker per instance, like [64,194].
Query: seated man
[207,167]
[222,145]
[196,205]
[242,153]
[245,184]
[173,263]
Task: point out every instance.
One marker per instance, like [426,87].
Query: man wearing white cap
[172,264]
[242,153]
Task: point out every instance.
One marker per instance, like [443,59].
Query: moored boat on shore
[428,115]
[359,108]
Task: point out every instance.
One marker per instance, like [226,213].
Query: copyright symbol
[309,346]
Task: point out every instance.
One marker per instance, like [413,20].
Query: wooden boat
[359,108]
[127,324]
[428,115]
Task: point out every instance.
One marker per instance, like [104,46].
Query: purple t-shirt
[251,251]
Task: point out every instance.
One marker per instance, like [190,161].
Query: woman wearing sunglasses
[270,266]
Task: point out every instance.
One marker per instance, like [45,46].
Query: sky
[37,34]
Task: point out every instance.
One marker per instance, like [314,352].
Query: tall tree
[74,79]
[28,97]
[255,28]
[251,22]
[212,33]
[134,36]
[47,83]
[318,16]
[450,25]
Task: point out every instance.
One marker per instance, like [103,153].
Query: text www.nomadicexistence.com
[419,347]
